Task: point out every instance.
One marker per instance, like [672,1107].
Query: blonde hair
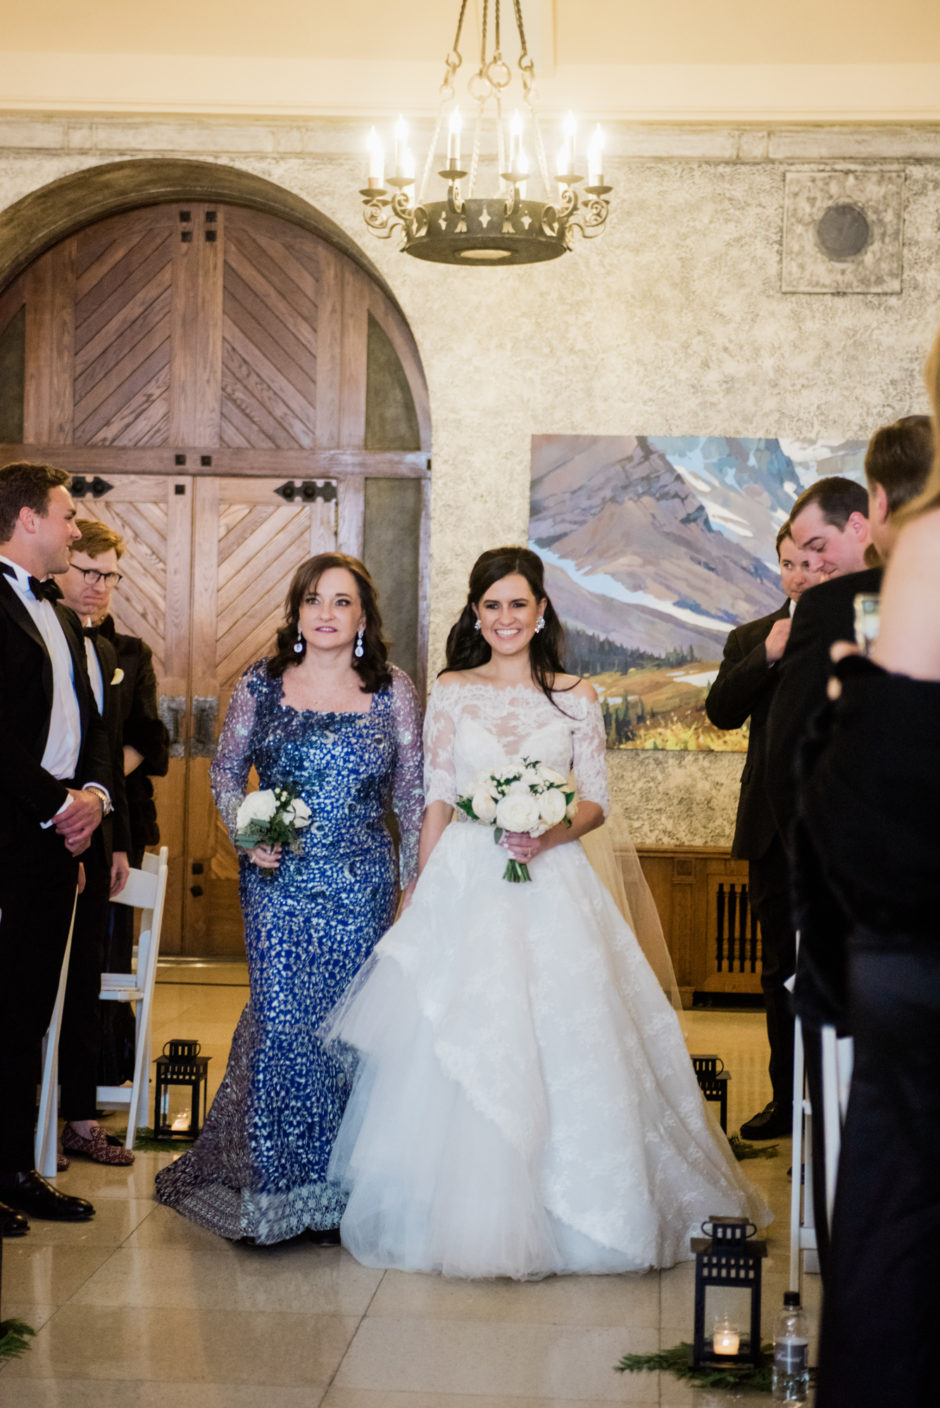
[97,538]
[930,498]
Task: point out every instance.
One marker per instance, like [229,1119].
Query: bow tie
[47,591]
[90,632]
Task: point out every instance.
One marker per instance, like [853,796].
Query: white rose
[517,812]
[257,806]
[484,806]
[299,813]
[519,789]
[552,777]
[552,807]
[532,777]
[571,811]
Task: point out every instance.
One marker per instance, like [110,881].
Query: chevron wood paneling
[269,342]
[123,293]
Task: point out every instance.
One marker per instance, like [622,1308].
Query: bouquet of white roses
[272,817]
[524,796]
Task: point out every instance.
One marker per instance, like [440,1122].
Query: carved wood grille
[736,946]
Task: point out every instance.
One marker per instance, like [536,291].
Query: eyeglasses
[93,576]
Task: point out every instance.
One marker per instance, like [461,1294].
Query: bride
[524,1103]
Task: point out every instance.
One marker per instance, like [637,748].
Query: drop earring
[478,624]
[540,625]
[300,644]
[360,648]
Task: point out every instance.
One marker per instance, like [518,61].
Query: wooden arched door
[232,394]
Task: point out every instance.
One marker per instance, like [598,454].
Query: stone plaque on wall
[842,232]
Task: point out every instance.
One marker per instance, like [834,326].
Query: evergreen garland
[678,1361]
[14,1338]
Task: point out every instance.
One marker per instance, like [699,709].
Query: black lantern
[729,1257]
[713,1082]
[179,1069]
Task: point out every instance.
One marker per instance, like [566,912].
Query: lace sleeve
[407,789]
[440,778]
[589,761]
[230,766]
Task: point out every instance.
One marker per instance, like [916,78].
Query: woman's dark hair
[466,648]
[373,667]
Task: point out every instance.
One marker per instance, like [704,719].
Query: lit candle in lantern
[454,128]
[401,136]
[408,165]
[515,140]
[596,158]
[376,158]
[725,1338]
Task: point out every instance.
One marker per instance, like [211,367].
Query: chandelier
[509,224]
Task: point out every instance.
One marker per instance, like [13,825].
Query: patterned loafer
[100,1147]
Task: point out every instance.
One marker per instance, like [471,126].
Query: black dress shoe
[12,1223]
[774,1122]
[324,1236]
[31,1193]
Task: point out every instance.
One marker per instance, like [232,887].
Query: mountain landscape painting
[654,547]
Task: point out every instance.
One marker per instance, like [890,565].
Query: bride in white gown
[524,1102]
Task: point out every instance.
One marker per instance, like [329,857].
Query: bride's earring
[478,624]
[540,625]
[360,648]
[300,644]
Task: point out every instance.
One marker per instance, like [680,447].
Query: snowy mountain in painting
[664,543]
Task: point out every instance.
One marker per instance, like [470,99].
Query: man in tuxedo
[86,588]
[743,690]
[832,522]
[54,791]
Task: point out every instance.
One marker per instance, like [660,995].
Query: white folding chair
[46,1145]
[146,891]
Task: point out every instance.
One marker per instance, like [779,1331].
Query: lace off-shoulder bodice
[471,728]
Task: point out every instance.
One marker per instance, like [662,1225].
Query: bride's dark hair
[466,648]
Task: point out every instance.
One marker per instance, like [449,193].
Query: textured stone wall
[672,323]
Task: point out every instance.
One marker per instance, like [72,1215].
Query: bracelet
[103,797]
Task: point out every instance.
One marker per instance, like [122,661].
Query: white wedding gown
[524,1102]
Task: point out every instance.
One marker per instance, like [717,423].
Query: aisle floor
[141,1307]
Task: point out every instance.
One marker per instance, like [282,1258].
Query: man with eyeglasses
[86,587]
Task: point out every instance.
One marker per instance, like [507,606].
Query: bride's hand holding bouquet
[522,801]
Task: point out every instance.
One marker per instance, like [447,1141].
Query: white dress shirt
[63,745]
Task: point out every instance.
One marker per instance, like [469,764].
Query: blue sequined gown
[259,1167]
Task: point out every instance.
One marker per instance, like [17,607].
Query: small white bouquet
[272,817]
[524,796]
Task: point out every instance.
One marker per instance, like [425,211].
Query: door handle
[171,708]
[205,711]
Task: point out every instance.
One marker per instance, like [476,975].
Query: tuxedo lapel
[12,603]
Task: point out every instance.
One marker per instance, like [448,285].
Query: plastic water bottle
[791,1353]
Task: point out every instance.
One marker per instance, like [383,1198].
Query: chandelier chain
[483,29]
[517,7]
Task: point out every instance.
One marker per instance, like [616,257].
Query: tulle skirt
[524,1103]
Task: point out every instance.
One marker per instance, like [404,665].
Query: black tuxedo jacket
[823,615]
[141,728]
[115,829]
[28,793]
[743,690]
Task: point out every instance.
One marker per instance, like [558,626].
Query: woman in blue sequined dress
[330,716]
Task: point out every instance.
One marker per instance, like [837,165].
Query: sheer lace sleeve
[440,777]
[230,766]
[407,789]
[589,761]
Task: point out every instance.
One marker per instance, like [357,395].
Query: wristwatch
[106,806]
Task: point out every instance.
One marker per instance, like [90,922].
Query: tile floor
[140,1307]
